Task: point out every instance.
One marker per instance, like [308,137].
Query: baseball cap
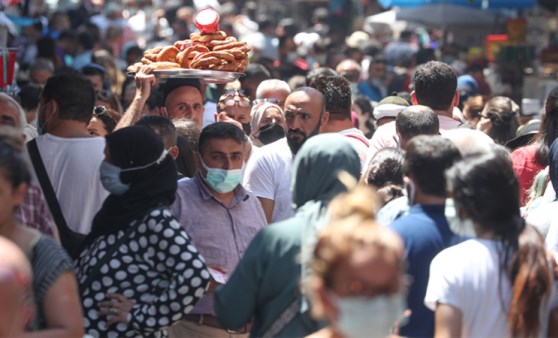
[390,106]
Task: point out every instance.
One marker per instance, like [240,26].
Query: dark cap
[174,83]
[525,135]
[93,69]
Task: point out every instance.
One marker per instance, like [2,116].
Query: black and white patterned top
[157,267]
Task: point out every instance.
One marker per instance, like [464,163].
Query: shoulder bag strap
[48,191]
[284,319]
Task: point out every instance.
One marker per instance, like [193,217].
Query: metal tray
[208,76]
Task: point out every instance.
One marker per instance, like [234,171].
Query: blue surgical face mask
[222,180]
[460,227]
[110,175]
[110,178]
[369,317]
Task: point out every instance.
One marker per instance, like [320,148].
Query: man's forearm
[132,114]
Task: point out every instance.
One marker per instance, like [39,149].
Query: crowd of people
[341,188]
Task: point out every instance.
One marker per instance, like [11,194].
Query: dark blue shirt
[425,232]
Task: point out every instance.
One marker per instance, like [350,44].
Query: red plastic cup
[207,21]
[8,67]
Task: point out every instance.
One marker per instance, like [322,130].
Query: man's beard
[296,144]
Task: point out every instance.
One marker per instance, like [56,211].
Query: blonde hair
[352,227]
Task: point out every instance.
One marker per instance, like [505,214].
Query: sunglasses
[100,110]
[232,97]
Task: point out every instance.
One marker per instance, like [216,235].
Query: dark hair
[86,39]
[503,113]
[162,126]
[221,130]
[74,94]
[256,72]
[317,73]
[549,128]
[337,94]
[426,160]
[187,143]
[435,84]
[365,105]
[107,116]
[385,173]
[417,120]
[12,165]
[486,188]
[29,96]
[94,69]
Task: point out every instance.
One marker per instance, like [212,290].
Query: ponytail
[531,280]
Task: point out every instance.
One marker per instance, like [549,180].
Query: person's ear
[19,193]
[173,152]
[164,112]
[325,119]
[197,160]
[455,101]
[414,98]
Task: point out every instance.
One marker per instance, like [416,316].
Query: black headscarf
[553,166]
[150,187]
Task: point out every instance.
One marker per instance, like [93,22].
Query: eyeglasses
[232,97]
[268,99]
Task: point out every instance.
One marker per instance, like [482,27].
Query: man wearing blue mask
[220,216]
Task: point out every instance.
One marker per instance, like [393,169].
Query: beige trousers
[188,329]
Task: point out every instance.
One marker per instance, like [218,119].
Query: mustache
[296,131]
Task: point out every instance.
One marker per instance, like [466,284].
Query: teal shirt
[266,282]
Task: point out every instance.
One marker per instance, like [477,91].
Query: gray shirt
[220,233]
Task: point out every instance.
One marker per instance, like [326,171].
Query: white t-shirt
[359,143]
[466,276]
[386,135]
[73,165]
[268,175]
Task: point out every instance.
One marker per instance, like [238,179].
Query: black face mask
[247,128]
[270,133]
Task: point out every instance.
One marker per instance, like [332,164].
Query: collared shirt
[34,213]
[220,233]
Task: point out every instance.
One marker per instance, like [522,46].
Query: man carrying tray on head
[182,98]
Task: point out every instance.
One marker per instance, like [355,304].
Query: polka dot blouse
[156,266]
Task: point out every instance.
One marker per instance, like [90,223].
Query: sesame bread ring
[227,67]
[223,55]
[205,62]
[237,53]
[145,61]
[168,54]
[214,43]
[165,65]
[198,48]
[150,56]
[229,46]
[155,50]
[219,35]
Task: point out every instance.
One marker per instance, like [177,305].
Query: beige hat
[356,39]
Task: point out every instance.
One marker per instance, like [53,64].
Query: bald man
[268,172]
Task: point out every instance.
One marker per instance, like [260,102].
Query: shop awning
[484,4]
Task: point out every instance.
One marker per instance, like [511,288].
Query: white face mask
[460,227]
[369,317]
